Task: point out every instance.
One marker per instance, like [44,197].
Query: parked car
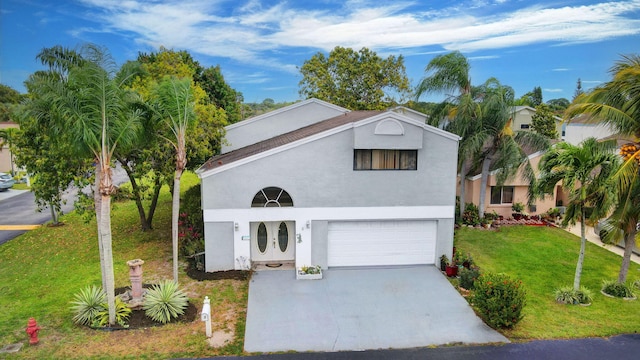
[6,182]
[601,232]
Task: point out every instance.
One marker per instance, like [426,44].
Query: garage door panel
[359,243]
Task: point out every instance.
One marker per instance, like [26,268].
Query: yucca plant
[567,295]
[164,302]
[122,314]
[87,304]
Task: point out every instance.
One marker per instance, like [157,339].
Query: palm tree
[449,74]
[90,104]
[503,150]
[176,107]
[617,103]
[584,171]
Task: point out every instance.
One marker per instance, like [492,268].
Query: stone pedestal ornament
[135,275]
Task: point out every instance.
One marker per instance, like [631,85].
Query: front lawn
[544,258]
[41,271]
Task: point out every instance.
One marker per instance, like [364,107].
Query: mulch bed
[196,274]
[138,319]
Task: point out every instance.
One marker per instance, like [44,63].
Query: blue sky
[259,45]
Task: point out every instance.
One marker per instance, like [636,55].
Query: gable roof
[295,135]
[308,133]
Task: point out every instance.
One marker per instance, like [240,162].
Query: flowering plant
[310,269]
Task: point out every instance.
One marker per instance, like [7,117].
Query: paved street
[622,347]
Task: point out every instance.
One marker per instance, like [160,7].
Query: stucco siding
[320,174]
[269,125]
[218,247]
[319,233]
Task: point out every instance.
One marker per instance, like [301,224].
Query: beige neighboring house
[5,153]
[501,198]
[522,120]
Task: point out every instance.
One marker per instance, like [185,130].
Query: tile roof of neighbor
[286,138]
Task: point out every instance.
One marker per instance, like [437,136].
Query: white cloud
[553,90]
[253,29]
[560,69]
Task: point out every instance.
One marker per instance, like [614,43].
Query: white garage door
[365,243]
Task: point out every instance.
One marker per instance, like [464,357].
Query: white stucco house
[317,184]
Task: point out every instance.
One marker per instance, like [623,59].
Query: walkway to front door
[272,241]
[358,309]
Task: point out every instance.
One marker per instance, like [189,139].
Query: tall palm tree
[503,150]
[176,107]
[449,74]
[583,170]
[617,104]
[91,106]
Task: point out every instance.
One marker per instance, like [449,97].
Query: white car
[6,182]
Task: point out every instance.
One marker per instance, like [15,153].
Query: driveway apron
[359,309]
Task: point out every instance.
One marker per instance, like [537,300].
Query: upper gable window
[377,159]
[272,197]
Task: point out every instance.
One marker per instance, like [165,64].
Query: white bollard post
[206,316]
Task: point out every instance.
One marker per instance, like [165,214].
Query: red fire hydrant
[32,330]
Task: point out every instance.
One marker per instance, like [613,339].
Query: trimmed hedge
[499,300]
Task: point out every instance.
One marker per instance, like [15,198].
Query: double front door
[272,241]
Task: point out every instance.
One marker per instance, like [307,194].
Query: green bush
[471,215]
[468,277]
[499,300]
[616,289]
[122,314]
[88,303]
[164,302]
[191,223]
[566,295]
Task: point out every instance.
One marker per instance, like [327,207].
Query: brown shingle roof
[286,138]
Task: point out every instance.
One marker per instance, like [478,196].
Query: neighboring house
[499,199]
[522,120]
[316,184]
[6,157]
[580,128]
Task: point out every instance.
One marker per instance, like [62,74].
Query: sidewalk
[593,238]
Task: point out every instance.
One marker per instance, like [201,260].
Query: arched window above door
[272,197]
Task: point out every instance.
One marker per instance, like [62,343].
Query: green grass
[545,259]
[43,269]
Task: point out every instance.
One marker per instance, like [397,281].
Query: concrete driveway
[359,309]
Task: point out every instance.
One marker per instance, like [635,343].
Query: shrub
[88,303]
[164,302]
[517,207]
[191,223]
[636,284]
[468,277]
[471,215]
[122,314]
[499,300]
[616,289]
[566,295]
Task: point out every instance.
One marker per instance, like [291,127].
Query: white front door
[272,241]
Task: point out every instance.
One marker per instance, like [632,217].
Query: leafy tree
[584,171]
[152,158]
[220,93]
[543,122]
[176,108]
[355,80]
[8,99]
[617,104]
[449,74]
[558,106]
[533,98]
[49,159]
[90,104]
